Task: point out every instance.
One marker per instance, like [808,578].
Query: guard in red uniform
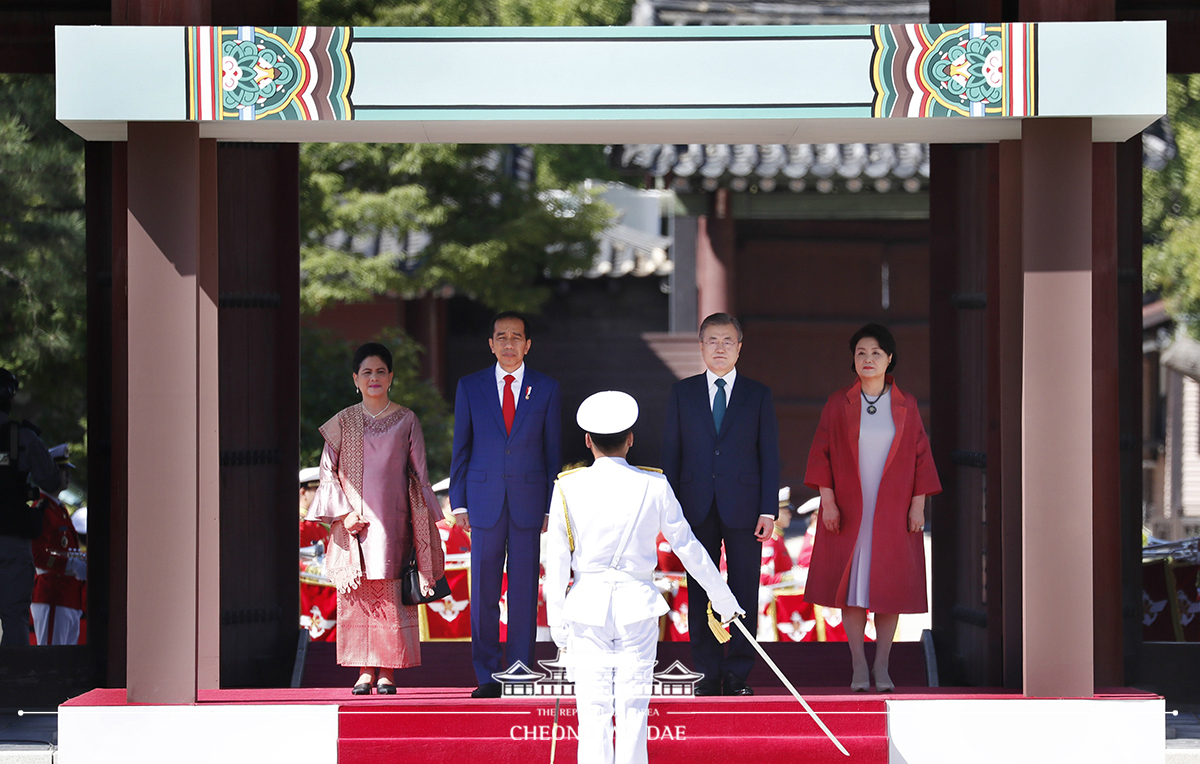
[58,591]
[777,561]
[318,601]
[311,532]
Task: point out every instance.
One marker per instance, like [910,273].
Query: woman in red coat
[870,460]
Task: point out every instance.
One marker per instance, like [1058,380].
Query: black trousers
[743,557]
[16,590]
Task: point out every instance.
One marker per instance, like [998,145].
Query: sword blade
[786,683]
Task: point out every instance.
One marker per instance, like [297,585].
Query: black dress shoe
[707,687]
[361,689]
[385,689]
[735,685]
[487,690]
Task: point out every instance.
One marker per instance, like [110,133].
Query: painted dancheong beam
[920,82]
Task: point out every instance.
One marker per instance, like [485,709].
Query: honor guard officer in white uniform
[604,522]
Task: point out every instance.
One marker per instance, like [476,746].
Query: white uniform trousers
[614,675]
[66,624]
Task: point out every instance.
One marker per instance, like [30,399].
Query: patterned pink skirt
[375,628]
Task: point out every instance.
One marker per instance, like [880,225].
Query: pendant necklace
[376,416]
[871,403]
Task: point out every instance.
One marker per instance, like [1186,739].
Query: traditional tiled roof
[627,251]
[822,167]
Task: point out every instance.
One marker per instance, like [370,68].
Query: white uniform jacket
[616,512]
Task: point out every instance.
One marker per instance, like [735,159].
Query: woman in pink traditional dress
[367,496]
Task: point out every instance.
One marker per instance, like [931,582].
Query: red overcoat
[897,556]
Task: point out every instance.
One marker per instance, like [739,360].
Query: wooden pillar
[714,259]
[1005,409]
[208,593]
[1129,344]
[259,410]
[172,464]
[965,583]
[119,496]
[1056,184]
[1106,445]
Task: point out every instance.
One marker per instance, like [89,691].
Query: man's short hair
[611,443]
[509,314]
[721,319]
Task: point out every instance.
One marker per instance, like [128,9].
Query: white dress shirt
[518,378]
[729,378]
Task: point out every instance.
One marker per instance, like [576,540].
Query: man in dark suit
[721,454]
[507,438]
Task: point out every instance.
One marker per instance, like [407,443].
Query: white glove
[728,610]
[77,568]
[560,633]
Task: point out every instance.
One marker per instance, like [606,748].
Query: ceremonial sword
[554,730]
[738,622]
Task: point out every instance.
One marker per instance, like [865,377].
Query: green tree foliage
[489,236]
[326,388]
[43,294]
[1171,203]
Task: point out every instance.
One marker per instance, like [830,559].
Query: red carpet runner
[691,730]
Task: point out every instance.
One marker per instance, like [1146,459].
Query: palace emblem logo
[523,682]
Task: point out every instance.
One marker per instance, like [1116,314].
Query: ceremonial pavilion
[193,283]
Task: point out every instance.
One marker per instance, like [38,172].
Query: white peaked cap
[785,495]
[310,475]
[607,413]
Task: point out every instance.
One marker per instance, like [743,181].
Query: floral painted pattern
[947,70]
[969,69]
[252,73]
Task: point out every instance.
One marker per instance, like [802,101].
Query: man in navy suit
[507,437]
[721,455]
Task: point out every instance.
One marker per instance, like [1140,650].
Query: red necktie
[510,403]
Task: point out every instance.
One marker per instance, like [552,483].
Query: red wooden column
[1006,345]
[714,259]
[208,542]
[1056,199]
[172,458]
[1106,417]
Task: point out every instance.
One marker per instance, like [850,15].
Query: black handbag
[410,585]
[410,579]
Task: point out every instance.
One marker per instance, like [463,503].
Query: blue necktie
[719,405]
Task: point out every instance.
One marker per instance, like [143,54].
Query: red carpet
[693,730]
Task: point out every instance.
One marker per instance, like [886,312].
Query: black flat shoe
[385,689]
[735,685]
[361,689]
[487,690]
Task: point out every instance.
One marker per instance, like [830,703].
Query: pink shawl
[343,558]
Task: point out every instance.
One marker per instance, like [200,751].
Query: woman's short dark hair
[611,443]
[880,334]
[510,314]
[372,349]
